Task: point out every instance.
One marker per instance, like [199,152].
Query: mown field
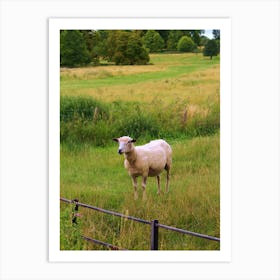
[175,98]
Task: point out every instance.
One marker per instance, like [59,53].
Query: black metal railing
[154,224]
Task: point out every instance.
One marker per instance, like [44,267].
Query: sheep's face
[125,144]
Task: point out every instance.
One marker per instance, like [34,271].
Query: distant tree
[186,44]
[153,41]
[196,36]
[204,40]
[164,35]
[93,41]
[126,48]
[136,52]
[173,39]
[211,48]
[216,34]
[73,49]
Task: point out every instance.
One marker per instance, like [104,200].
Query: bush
[153,41]
[82,107]
[126,48]
[186,44]
[73,49]
[137,126]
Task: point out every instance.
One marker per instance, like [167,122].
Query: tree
[153,41]
[126,48]
[173,39]
[204,40]
[136,53]
[196,36]
[92,39]
[211,48]
[216,34]
[73,49]
[186,44]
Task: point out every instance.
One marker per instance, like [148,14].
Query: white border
[224,254]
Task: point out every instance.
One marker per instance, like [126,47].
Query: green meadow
[176,98]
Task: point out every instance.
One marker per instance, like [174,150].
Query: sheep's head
[125,144]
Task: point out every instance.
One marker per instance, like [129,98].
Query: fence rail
[154,224]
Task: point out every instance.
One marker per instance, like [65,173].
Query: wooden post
[185,117]
[154,235]
[75,211]
[95,114]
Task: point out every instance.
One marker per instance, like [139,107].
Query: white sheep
[147,161]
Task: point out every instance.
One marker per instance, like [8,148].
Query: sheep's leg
[134,182]
[167,180]
[144,182]
[158,183]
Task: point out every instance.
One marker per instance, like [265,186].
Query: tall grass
[85,120]
[176,98]
[96,176]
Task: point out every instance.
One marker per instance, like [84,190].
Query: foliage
[177,96]
[204,40]
[173,39]
[216,34]
[186,44]
[122,47]
[153,41]
[70,234]
[211,49]
[73,49]
[126,48]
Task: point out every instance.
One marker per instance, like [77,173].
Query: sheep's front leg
[134,182]
[144,182]
[158,183]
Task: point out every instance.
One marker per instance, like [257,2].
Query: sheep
[147,160]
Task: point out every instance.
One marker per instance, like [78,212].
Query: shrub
[186,44]
[82,107]
[153,41]
[137,126]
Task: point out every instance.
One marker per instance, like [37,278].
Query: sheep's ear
[116,139]
[133,140]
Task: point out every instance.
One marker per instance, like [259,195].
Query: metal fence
[154,226]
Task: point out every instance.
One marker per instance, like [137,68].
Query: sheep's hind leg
[158,183]
[134,182]
[144,182]
[167,178]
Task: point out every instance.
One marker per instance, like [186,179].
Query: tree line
[130,47]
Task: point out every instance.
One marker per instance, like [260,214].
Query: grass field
[178,92]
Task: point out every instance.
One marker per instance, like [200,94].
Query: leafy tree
[211,49]
[164,35]
[196,36]
[186,44]
[204,40]
[153,41]
[173,39]
[73,49]
[136,53]
[93,41]
[126,48]
[216,34]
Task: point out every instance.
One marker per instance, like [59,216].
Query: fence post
[75,211]
[154,235]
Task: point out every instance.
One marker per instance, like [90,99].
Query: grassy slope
[172,77]
[97,176]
